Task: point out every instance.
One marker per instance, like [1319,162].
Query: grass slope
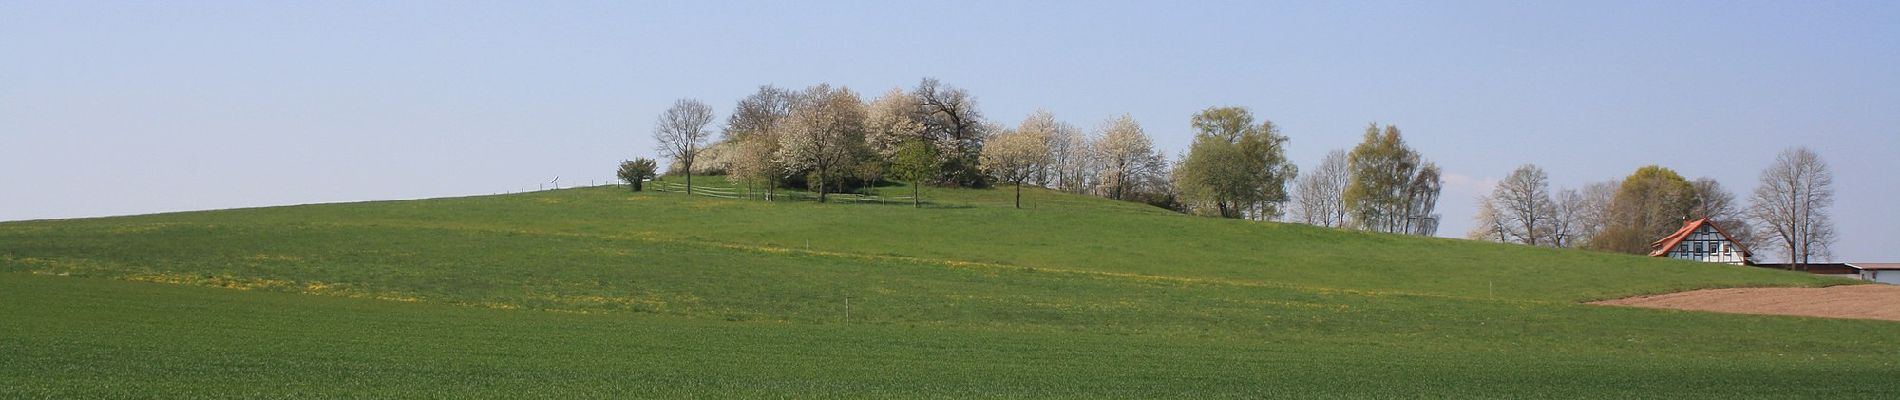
[600,292]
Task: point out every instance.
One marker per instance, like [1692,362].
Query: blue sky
[111,108]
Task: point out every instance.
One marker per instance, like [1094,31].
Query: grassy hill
[598,292]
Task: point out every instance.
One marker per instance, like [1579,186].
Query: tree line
[1787,211]
[830,139]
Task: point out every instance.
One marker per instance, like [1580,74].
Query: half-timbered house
[1701,240]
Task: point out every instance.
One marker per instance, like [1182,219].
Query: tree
[915,161]
[1014,156]
[951,121]
[888,123]
[636,171]
[1043,125]
[681,132]
[1072,161]
[755,159]
[1650,204]
[1791,205]
[1392,188]
[1318,195]
[824,135]
[1124,154]
[1568,206]
[752,132]
[1594,212]
[1523,201]
[1489,225]
[1718,205]
[1235,166]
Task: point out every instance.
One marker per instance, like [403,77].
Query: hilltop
[601,292]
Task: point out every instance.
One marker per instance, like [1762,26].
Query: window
[1698,247]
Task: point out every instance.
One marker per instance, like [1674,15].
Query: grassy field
[597,292]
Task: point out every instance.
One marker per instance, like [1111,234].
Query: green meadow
[601,292]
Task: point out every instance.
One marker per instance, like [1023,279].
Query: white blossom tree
[1072,164]
[889,123]
[1124,155]
[1014,156]
[825,134]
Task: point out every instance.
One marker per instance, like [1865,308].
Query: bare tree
[1567,209]
[951,120]
[681,132]
[1594,213]
[1718,205]
[752,135]
[825,134]
[1791,205]
[1318,196]
[759,113]
[1523,200]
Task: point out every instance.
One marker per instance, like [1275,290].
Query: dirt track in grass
[1871,301]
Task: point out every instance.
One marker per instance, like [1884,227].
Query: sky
[114,108]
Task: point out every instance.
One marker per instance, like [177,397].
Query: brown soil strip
[1872,301]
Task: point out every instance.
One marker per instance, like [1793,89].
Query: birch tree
[1318,195]
[1392,188]
[825,134]
[682,132]
[1791,205]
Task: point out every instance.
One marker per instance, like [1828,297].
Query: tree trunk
[821,185]
[1019,195]
[689,181]
[917,193]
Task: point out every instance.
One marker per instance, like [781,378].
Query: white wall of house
[1706,245]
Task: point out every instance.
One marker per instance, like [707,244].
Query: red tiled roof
[1662,246]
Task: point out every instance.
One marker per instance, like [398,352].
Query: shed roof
[1875,266]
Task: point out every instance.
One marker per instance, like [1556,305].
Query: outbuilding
[1878,272]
